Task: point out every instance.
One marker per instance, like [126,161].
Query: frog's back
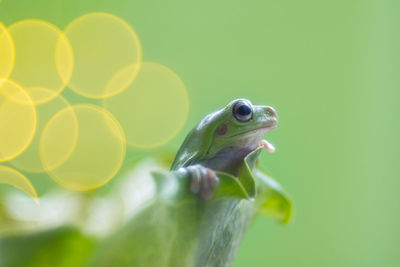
[197,142]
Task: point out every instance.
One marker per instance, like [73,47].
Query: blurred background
[330,69]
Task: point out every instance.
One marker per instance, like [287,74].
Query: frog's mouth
[265,128]
[262,143]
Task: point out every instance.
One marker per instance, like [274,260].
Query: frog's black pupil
[244,110]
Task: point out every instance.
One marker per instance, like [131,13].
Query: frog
[221,141]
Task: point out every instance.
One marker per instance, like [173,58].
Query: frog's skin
[221,141]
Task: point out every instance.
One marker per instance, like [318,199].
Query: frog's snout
[271,112]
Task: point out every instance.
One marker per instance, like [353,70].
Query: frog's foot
[202,181]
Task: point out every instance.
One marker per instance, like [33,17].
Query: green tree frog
[221,141]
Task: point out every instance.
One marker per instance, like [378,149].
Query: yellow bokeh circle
[153,109]
[29,160]
[97,154]
[18,180]
[17,120]
[107,55]
[6,53]
[43,59]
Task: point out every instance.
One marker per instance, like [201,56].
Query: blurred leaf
[177,229]
[174,229]
[272,201]
[61,247]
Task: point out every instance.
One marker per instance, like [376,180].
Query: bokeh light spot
[58,139]
[36,65]
[153,109]
[97,154]
[29,160]
[6,52]
[17,120]
[104,46]
[18,180]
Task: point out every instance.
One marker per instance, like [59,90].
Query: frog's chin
[262,142]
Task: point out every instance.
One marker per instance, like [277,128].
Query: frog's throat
[231,158]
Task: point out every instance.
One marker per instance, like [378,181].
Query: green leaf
[246,177]
[60,247]
[230,187]
[272,200]
[174,228]
[178,229]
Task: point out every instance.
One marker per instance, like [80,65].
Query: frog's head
[227,135]
[242,125]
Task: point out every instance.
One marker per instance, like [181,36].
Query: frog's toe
[195,183]
[203,181]
[212,178]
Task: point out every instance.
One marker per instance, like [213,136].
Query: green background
[330,68]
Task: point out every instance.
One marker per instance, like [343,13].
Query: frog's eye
[242,111]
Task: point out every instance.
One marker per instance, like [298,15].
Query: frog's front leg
[202,180]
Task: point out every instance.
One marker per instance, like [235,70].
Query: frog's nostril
[270,111]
